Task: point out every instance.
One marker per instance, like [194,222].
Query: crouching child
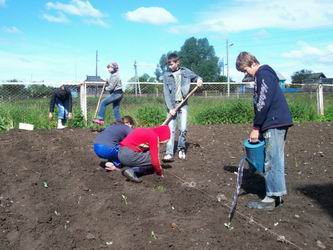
[139,152]
[106,145]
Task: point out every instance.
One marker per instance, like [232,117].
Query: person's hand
[172,112]
[199,82]
[50,115]
[254,135]
[70,116]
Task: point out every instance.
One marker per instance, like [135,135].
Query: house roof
[314,76]
[94,79]
[248,78]
[280,76]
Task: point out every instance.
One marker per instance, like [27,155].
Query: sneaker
[266,204]
[99,122]
[182,154]
[168,158]
[130,175]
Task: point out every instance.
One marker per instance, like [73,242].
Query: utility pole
[228,77]
[137,85]
[136,77]
[96,62]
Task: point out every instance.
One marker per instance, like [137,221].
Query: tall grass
[149,111]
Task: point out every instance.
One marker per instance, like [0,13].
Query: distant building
[94,85]
[282,79]
[313,78]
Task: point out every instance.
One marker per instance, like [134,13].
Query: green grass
[149,111]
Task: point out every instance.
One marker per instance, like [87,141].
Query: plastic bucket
[255,155]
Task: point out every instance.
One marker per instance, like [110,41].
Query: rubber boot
[60,126]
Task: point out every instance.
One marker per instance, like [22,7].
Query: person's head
[112,67]
[163,133]
[128,120]
[173,62]
[247,63]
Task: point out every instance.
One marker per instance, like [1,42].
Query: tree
[36,90]
[163,65]
[300,76]
[143,78]
[198,56]
[158,73]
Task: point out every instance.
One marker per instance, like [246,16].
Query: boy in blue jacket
[271,122]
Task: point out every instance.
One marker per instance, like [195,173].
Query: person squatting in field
[139,152]
[177,81]
[62,97]
[114,86]
[271,122]
[106,145]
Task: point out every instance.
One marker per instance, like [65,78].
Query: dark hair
[172,57]
[245,59]
[128,119]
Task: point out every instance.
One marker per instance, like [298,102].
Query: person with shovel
[106,145]
[62,97]
[139,152]
[177,81]
[114,86]
[271,122]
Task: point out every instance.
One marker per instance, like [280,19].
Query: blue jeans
[107,152]
[62,109]
[274,162]
[182,114]
[115,99]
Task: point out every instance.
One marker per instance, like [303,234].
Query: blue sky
[57,40]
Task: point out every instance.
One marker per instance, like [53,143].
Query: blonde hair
[245,59]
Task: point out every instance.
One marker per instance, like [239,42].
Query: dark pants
[139,162]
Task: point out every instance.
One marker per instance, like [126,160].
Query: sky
[57,40]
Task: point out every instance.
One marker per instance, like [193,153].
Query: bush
[302,112]
[227,113]
[78,120]
[150,116]
[6,122]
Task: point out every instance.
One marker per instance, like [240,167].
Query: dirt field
[54,195]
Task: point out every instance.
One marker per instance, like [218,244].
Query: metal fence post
[83,101]
[320,99]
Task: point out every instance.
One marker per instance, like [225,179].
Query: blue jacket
[270,105]
[169,89]
[112,135]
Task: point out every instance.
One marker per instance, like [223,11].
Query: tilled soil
[54,195]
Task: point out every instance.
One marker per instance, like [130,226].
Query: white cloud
[58,18]
[76,7]
[2,3]
[96,21]
[12,30]
[311,57]
[258,14]
[152,15]
[310,54]
[81,8]
[43,66]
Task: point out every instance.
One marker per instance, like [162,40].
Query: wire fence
[29,102]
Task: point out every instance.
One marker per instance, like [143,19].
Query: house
[282,79]
[94,85]
[313,78]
